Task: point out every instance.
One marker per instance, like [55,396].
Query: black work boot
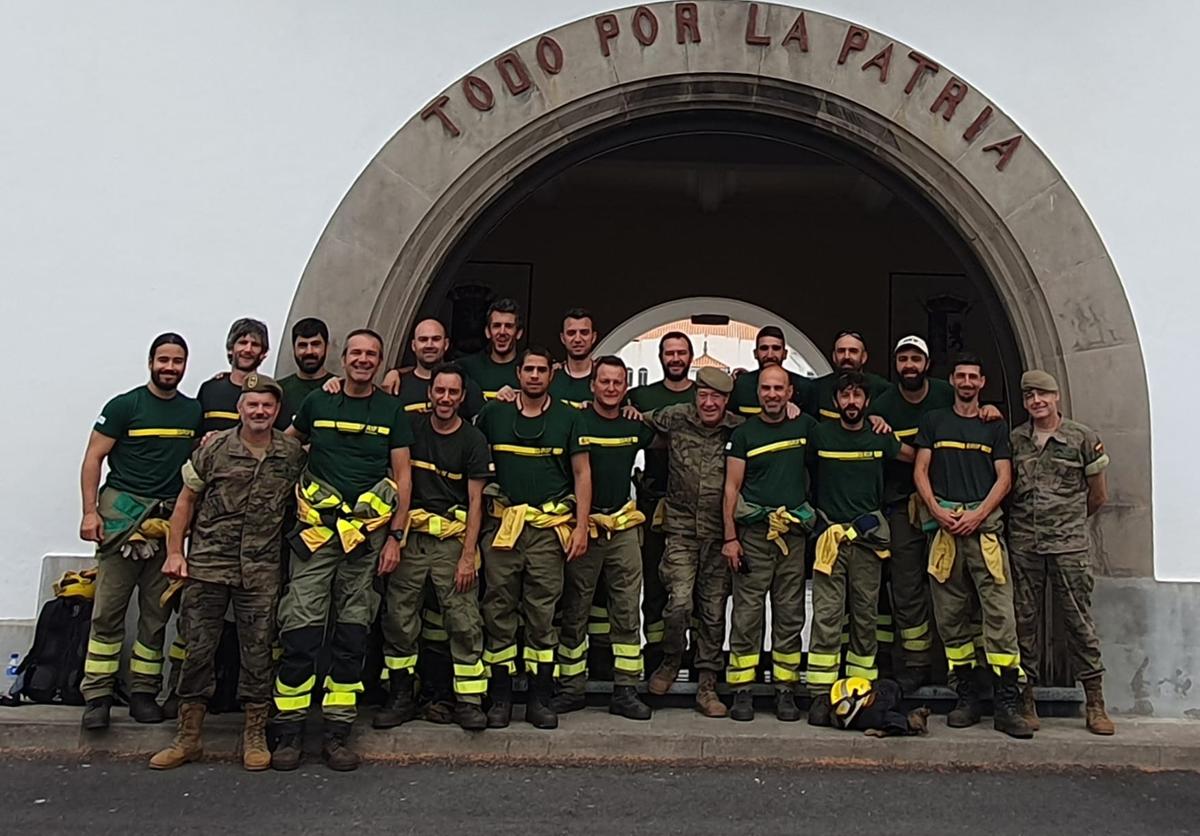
[144,708]
[470,716]
[625,703]
[170,706]
[500,691]
[564,702]
[966,711]
[399,707]
[96,715]
[538,712]
[910,679]
[289,750]
[335,750]
[1006,702]
[785,705]
[743,705]
[436,702]
[818,710]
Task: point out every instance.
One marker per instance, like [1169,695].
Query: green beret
[711,378]
[1040,380]
[256,382]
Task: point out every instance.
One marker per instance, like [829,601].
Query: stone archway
[410,206]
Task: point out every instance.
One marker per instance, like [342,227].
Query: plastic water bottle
[10,672]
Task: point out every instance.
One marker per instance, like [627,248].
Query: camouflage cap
[1040,380]
[711,378]
[256,382]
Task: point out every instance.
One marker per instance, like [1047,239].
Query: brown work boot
[707,701]
[187,746]
[255,755]
[1029,707]
[664,676]
[1097,718]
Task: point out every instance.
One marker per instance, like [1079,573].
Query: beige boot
[1097,717]
[255,755]
[188,745]
[664,677]
[707,701]
[1029,707]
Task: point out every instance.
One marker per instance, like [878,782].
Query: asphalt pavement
[123,796]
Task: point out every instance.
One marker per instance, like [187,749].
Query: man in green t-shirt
[146,435]
[767,515]
[962,473]
[675,356]
[612,442]
[770,349]
[451,464]
[310,345]
[849,459]
[543,485]
[353,502]
[246,346]
[849,355]
[572,383]
[494,369]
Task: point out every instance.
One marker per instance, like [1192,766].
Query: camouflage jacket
[1048,503]
[240,512]
[695,470]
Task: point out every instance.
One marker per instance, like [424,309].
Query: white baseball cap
[912,341]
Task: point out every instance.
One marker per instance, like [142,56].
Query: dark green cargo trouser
[855,577]
[522,587]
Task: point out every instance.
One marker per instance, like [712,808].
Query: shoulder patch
[100,419]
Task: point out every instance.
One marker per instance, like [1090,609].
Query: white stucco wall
[169,165]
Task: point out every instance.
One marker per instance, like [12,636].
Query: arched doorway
[555,100]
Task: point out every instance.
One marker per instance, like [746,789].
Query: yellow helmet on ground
[847,698]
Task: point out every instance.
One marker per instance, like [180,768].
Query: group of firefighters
[483,512]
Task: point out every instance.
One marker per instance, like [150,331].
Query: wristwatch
[396,534]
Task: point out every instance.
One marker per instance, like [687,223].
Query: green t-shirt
[820,403]
[573,391]
[849,469]
[532,456]
[904,418]
[646,399]
[295,390]
[442,464]
[489,376]
[154,438]
[744,400]
[612,445]
[964,453]
[351,439]
[775,457]
[218,397]
[414,395]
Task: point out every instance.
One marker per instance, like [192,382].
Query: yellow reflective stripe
[342,687]
[885,636]
[750,660]
[904,433]
[850,455]
[829,413]
[217,413]
[870,674]
[100,666]
[823,660]
[433,617]
[785,658]
[917,645]
[789,444]
[169,432]
[629,651]
[522,450]
[734,676]
[336,698]
[598,612]
[535,655]
[435,634]
[424,406]
[400,663]
[469,671]
[600,441]
[749,410]
[655,631]
[293,703]
[430,466]
[572,668]
[489,395]
[821,677]
[178,651]
[861,661]
[962,445]
[494,657]
[352,427]
[572,653]
[470,686]
[960,652]
[304,687]
[137,665]
[1004,660]
[914,632]
[779,674]
[383,509]
[884,618]
[627,665]
[103,648]
[147,653]
[597,628]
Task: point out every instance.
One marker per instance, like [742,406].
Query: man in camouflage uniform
[235,488]
[692,564]
[1058,482]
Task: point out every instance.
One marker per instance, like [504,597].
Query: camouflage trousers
[324,581]
[202,612]
[116,580]
[954,608]
[910,605]
[696,578]
[852,584]
[430,562]
[1071,583]
[782,576]
[617,560]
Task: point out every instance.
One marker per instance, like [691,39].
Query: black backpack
[53,669]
